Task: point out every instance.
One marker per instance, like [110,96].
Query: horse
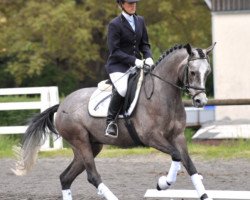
[159,121]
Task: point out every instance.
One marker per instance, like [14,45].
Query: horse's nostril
[198,101]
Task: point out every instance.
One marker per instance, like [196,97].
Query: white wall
[231,31]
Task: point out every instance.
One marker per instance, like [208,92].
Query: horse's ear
[209,49]
[189,49]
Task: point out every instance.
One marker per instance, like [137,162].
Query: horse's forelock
[201,53]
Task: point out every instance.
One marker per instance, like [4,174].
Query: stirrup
[110,135]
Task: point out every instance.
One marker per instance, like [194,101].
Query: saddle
[100,99]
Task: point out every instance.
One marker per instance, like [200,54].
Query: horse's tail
[34,137]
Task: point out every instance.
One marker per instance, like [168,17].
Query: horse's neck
[166,96]
[171,69]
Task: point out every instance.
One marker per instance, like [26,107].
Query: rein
[186,86]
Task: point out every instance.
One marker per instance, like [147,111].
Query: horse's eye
[192,73]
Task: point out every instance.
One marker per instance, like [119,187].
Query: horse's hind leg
[188,164]
[85,153]
[75,168]
[93,176]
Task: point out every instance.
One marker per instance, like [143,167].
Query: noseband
[186,85]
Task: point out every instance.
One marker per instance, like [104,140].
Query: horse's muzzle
[200,100]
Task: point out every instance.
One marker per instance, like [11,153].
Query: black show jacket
[125,44]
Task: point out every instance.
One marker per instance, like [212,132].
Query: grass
[117,152]
[107,152]
[226,150]
[6,144]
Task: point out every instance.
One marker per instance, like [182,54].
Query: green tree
[177,22]
[63,42]
[49,37]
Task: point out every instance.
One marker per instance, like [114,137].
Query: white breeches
[120,81]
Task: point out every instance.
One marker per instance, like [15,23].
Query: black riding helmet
[120,2]
[129,1]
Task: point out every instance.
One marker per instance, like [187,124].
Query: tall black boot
[115,106]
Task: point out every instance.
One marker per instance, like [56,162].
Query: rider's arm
[114,46]
[144,44]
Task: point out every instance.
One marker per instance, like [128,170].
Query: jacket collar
[127,16]
[126,23]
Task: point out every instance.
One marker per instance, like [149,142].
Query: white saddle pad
[100,99]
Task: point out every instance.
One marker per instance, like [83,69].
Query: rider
[127,40]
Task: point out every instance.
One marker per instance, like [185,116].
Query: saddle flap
[100,99]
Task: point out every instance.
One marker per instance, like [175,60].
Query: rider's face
[130,8]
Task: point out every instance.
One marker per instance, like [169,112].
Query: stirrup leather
[116,130]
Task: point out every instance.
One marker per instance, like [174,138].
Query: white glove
[149,62]
[139,63]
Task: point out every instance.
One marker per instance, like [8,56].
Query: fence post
[54,100]
[45,105]
[48,97]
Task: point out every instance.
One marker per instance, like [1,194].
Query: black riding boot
[115,106]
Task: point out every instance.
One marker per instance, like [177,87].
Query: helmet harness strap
[121,2]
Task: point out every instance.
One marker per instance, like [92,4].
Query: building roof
[228,5]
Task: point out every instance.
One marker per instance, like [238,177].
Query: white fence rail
[192,194]
[48,97]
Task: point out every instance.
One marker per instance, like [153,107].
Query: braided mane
[176,47]
[167,52]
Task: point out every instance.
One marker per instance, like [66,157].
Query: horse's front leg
[180,143]
[163,145]
[165,182]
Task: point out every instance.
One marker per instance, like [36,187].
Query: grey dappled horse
[159,121]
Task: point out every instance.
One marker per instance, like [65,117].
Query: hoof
[162,183]
[158,188]
[205,197]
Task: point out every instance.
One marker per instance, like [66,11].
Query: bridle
[185,80]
